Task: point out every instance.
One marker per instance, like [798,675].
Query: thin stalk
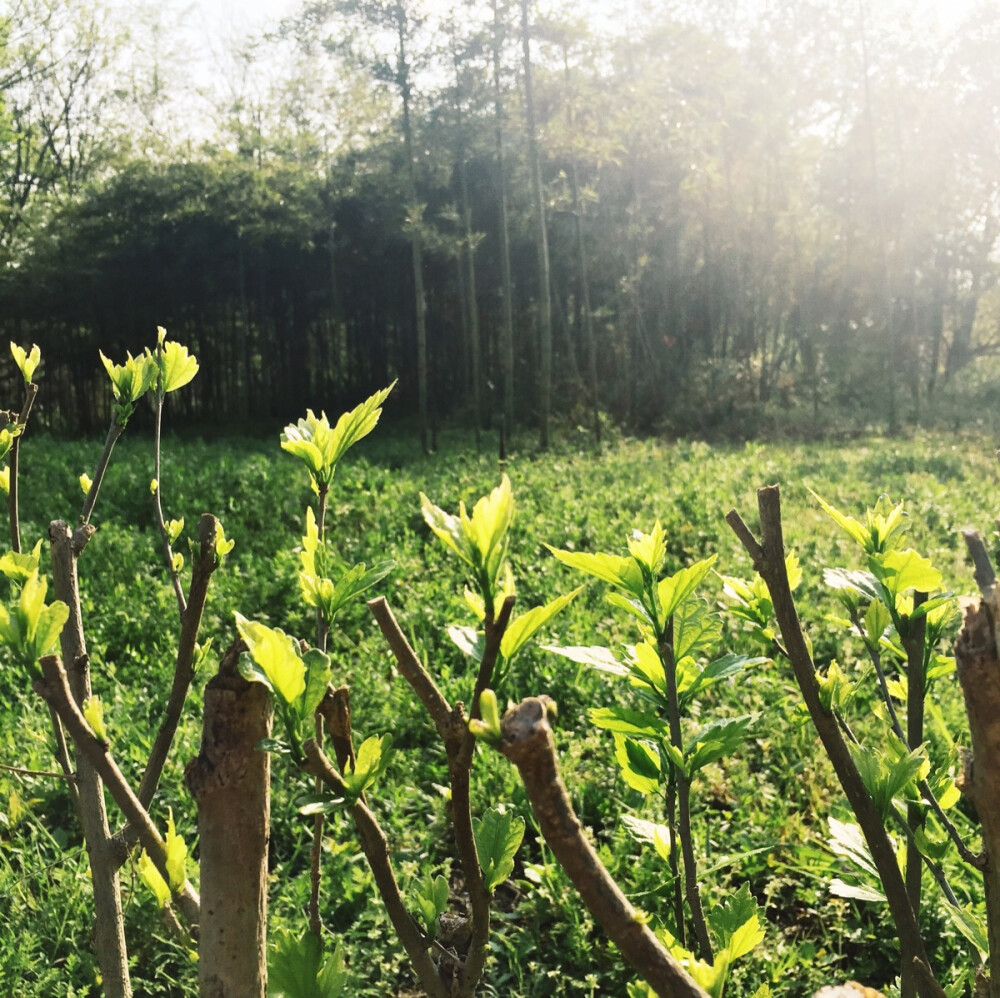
[376,850]
[322,628]
[973,859]
[768,558]
[939,876]
[168,554]
[63,758]
[114,432]
[30,391]
[674,860]
[37,772]
[319,820]
[691,890]
[201,574]
[460,767]
[316,855]
[876,656]
[916,691]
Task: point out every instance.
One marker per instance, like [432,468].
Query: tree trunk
[230,782]
[978,667]
[506,346]
[416,247]
[544,294]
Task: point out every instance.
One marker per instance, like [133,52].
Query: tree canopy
[756,208]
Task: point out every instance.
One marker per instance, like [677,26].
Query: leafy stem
[376,850]
[876,657]
[691,890]
[115,430]
[30,391]
[168,553]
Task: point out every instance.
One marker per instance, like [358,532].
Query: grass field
[761,816]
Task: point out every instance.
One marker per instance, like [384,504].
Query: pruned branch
[412,668]
[54,689]
[527,743]
[769,560]
[978,669]
[376,849]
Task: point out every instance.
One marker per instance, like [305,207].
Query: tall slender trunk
[506,345]
[416,244]
[467,265]
[586,319]
[889,383]
[544,294]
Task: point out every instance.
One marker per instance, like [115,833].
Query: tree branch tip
[745,536]
[206,529]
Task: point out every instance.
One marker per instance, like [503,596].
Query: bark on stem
[527,742]
[30,391]
[452,726]
[230,782]
[412,668]
[54,689]
[769,560]
[109,927]
[376,849]
[978,667]
[114,432]
[201,575]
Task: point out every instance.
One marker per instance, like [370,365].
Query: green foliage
[298,968]
[320,446]
[175,367]
[498,835]
[27,363]
[30,629]
[735,924]
[130,381]
[432,900]
[762,808]
[480,540]
[297,680]
[372,758]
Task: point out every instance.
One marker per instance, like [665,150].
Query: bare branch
[769,558]
[54,689]
[411,668]
[376,850]
[527,742]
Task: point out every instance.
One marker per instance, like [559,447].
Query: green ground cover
[760,816]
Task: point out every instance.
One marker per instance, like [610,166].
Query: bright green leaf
[521,629]
[277,657]
[498,835]
[151,877]
[673,590]
[93,713]
[26,362]
[176,856]
[176,366]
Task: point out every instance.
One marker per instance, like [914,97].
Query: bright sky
[215,25]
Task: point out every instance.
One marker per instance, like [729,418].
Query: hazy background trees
[758,213]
